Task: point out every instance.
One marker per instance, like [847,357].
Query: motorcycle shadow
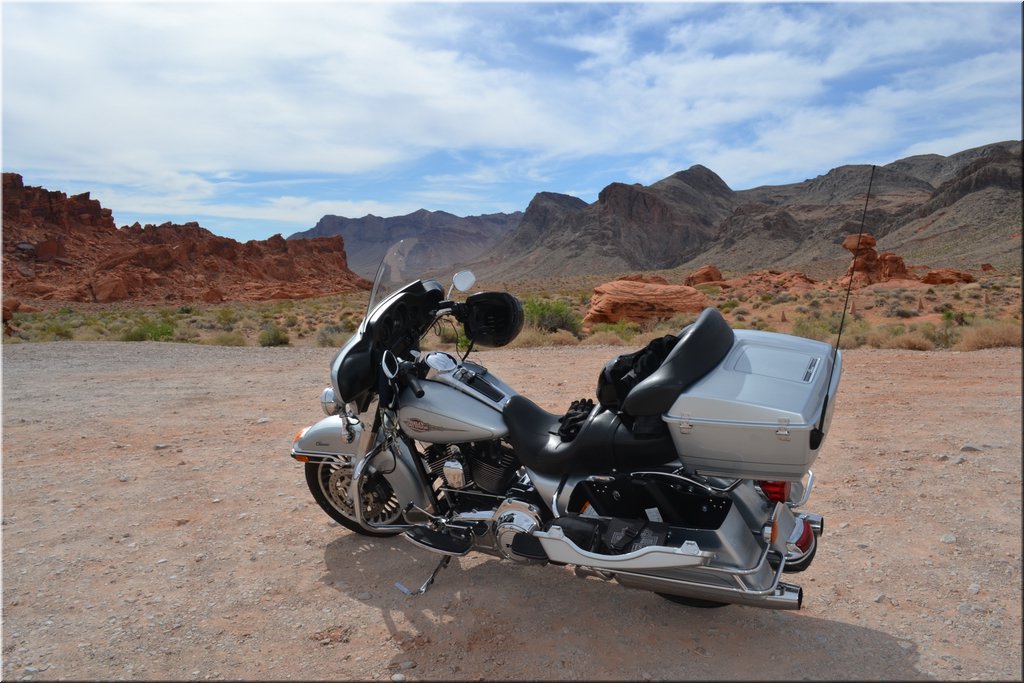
[491,617]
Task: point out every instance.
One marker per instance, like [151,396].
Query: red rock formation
[638,301]
[868,266]
[68,249]
[947,276]
[702,275]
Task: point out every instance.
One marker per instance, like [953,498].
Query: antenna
[849,285]
[817,434]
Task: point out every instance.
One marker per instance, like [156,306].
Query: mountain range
[960,210]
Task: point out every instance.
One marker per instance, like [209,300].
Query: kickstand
[430,579]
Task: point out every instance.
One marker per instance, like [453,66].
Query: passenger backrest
[699,349]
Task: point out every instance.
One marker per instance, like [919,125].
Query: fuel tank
[447,415]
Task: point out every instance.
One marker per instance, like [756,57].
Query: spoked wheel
[329,484]
[693,602]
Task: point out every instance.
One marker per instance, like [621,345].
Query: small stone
[969,448]
[363,596]
[948,538]
[398,677]
[941,456]
[958,460]
[263,420]
[880,597]
[406,665]
[161,446]
[974,588]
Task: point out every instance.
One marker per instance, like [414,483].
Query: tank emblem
[417,425]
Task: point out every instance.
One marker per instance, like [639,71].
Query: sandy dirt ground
[154,527]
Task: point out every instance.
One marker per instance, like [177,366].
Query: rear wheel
[693,602]
[329,484]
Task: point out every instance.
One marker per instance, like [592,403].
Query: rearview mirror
[463,280]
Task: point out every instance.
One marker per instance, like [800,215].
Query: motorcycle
[685,478]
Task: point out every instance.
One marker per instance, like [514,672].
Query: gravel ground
[154,527]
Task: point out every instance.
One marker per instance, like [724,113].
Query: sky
[257,118]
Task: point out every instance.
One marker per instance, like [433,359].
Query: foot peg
[430,579]
[439,541]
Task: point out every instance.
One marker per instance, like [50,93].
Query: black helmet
[493,318]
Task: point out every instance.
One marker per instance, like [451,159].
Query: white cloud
[187,106]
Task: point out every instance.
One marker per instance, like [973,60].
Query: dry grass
[990,335]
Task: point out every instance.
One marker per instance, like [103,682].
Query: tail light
[806,537]
[775,491]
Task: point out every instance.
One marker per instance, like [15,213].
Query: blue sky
[259,118]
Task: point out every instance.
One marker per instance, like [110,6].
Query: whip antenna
[817,433]
[849,285]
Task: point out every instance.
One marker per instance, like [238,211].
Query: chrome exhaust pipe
[785,596]
[816,522]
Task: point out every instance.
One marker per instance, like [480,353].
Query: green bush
[272,335]
[550,316]
[148,330]
[623,329]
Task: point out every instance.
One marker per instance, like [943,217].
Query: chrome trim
[807,491]
[691,481]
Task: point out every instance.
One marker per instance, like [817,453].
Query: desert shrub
[272,335]
[331,336]
[911,341]
[57,330]
[531,336]
[990,335]
[551,315]
[728,305]
[227,316]
[227,339]
[149,330]
[709,289]
[623,329]
[603,338]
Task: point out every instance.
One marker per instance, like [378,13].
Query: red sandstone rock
[702,275]
[637,301]
[68,249]
[947,276]
[868,266]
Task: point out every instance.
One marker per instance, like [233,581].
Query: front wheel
[329,484]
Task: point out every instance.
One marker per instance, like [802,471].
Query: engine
[475,477]
[490,466]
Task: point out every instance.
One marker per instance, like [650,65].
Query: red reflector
[806,537]
[775,491]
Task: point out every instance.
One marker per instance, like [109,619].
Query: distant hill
[447,239]
[957,211]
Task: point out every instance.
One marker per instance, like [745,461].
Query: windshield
[398,267]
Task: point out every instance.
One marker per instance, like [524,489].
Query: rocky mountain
[447,239]
[68,249]
[957,211]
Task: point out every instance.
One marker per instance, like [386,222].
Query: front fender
[328,441]
[332,439]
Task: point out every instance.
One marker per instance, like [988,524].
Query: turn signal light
[775,491]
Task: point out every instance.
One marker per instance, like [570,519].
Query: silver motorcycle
[685,477]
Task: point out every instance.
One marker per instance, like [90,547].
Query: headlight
[327,402]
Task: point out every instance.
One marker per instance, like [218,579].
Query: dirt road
[154,527]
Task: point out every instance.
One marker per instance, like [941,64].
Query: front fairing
[395,324]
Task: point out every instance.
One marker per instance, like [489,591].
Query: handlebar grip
[408,372]
[414,384]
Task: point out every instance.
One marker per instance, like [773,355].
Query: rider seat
[606,439]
